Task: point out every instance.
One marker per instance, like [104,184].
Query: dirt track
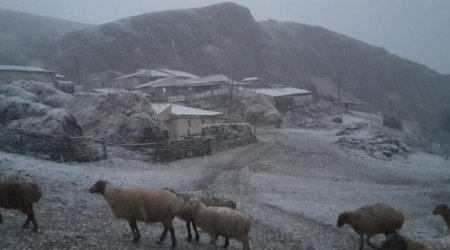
[293,183]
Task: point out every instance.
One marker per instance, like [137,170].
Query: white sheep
[221,221]
[371,220]
[149,205]
[19,194]
[207,198]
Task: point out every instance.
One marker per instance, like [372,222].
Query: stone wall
[229,135]
[183,148]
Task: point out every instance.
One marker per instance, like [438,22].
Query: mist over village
[208,124]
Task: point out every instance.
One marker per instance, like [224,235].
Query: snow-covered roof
[175,81]
[23,68]
[60,76]
[276,92]
[177,73]
[250,79]
[145,73]
[180,110]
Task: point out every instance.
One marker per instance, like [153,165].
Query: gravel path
[293,183]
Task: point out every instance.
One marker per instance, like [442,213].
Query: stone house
[177,90]
[286,98]
[181,121]
[11,73]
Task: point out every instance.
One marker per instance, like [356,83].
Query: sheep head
[344,218]
[98,187]
[441,209]
[193,206]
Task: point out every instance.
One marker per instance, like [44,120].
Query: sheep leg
[172,236]
[197,236]
[361,244]
[33,220]
[163,236]
[213,239]
[227,242]
[245,245]
[188,226]
[135,231]
[1,218]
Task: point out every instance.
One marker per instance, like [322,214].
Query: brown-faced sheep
[371,220]
[398,242]
[19,194]
[221,221]
[149,205]
[209,199]
[444,211]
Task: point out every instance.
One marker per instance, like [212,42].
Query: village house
[64,85]
[176,90]
[11,73]
[182,121]
[252,82]
[147,75]
[286,98]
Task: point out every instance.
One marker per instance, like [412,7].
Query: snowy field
[292,182]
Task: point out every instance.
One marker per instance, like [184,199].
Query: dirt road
[293,183]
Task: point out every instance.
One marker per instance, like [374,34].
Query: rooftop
[177,73]
[180,110]
[276,92]
[250,79]
[175,81]
[23,68]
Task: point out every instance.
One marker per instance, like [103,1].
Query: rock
[337,119]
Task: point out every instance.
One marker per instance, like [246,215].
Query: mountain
[27,39]
[225,38]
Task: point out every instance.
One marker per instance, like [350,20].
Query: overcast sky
[415,29]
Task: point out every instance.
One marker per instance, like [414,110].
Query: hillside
[29,39]
[225,38]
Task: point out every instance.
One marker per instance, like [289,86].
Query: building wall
[181,94]
[7,77]
[185,126]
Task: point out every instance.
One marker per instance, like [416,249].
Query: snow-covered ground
[292,182]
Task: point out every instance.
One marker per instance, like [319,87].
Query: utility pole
[339,88]
[231,98]
[77,70]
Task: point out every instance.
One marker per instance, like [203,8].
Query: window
[189,123]
[203,121]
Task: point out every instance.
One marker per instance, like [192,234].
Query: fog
[414,29]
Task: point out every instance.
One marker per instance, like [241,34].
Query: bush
[392,121]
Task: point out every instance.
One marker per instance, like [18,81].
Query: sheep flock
[215,215]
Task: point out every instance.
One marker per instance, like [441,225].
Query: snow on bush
[120,117]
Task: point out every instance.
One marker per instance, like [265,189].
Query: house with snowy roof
[180,90]
[286,98]
[181,121]
[142,76]
[11,73]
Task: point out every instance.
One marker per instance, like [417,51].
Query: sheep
[371,220]
[208,199]
[16,193]
[149,205]
[444,211]
[221,221]
[397,242]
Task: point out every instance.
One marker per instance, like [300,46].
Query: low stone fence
[229,135]
[51,147]
[183,148]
